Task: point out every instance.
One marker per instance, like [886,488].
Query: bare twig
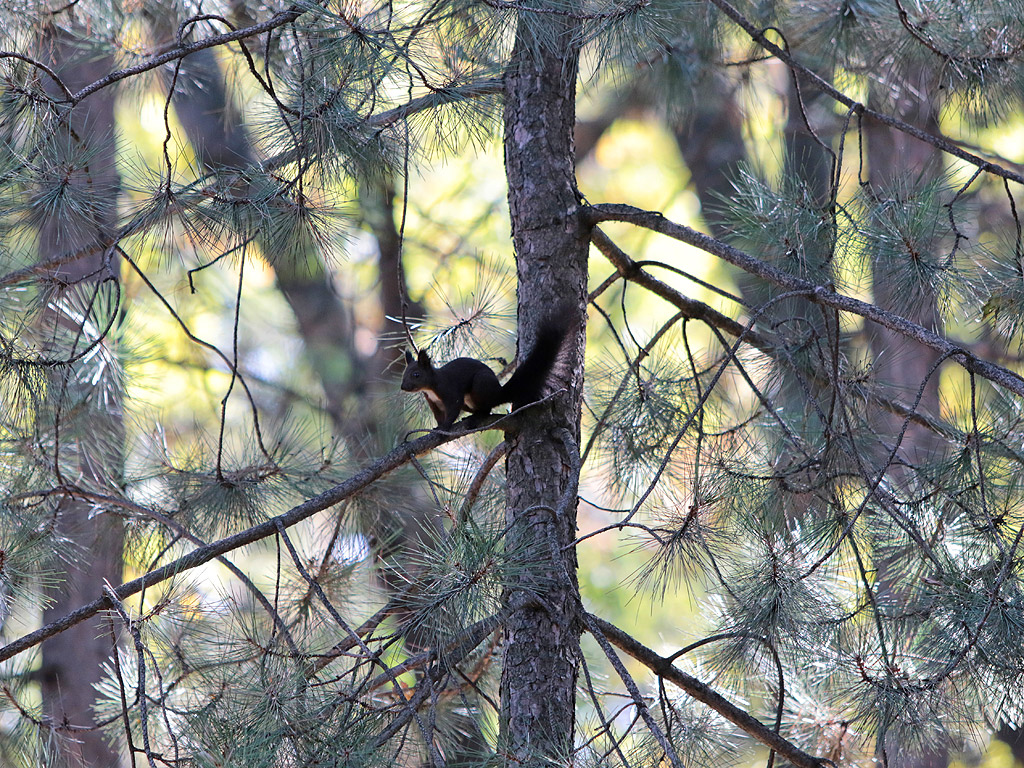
[133,630]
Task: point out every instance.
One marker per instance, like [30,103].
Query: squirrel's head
[419,372]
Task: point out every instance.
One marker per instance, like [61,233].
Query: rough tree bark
[542,653]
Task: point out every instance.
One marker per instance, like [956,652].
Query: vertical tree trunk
[542,653]
[900,364]
[92,437]
[713,149]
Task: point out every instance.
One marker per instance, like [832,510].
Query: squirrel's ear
[408,357]
[423,358]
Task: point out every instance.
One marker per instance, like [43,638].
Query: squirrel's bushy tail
[528,382]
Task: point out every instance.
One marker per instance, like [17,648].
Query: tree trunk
[713,149]
[542,652]
[900,364]
[91,437]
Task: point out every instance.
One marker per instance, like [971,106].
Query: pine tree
[218,551]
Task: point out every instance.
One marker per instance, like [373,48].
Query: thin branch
[634,691]
[133,630]
[693,309]
[39,65]
[465,511]
[450,655]
[339,648]
[939,142]
[181,51]
[353,485]
[632,271]
[490,87]
[74,492]
[819,294]
[116,656]
[703,693]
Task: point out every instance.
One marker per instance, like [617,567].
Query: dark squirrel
[468,384]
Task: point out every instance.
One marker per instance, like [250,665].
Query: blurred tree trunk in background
[713,149]
[355,382]
[88,418]
[217,132]
[899,165]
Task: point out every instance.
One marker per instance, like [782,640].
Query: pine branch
[76,492]
[143,697]
[595,629]
[664,668]
[448,656]
[490,87]
[349,642]
[386,464]
[693,309]
[183,50]
[818,294]
[939,142]
[690,308]
[40,66]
